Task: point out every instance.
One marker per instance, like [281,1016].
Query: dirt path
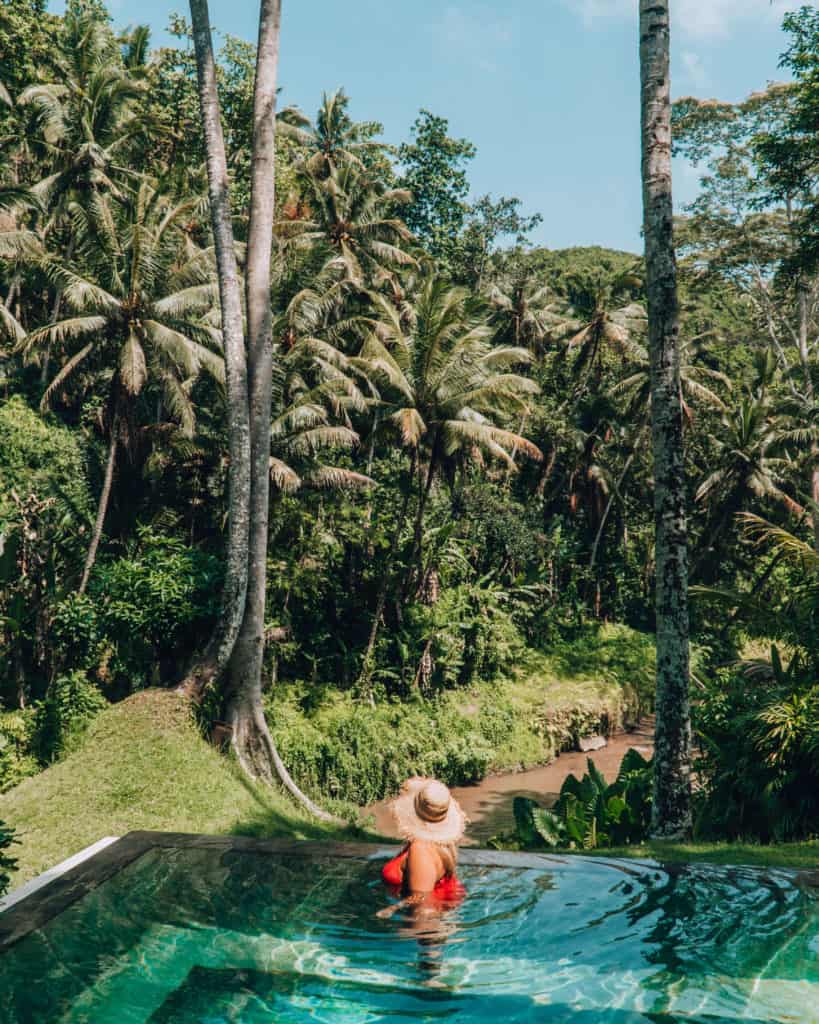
[488,804]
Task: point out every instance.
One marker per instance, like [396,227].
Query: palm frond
[283,477]
[761,531]
[65,330]
[65,371]
[133,370]
[333,478]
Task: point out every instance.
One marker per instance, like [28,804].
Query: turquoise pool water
[196,936]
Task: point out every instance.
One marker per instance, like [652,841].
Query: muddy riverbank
[488,804]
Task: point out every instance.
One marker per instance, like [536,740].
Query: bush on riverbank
[340,747]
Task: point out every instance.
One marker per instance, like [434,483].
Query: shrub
[758,727]
[358,753]
[17,760]
[129,628]
[7,862]
[45,512]
[589,813]
[69,705]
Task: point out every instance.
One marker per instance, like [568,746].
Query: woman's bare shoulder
[424,844]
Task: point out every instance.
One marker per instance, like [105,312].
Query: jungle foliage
[461,470]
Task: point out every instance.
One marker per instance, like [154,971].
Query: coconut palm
[636,389]
[80,127]
[314,392]
[446,392]
[140,318]
[524,311]
[752,460]
[602,318]
[696,381]
[335,140]
[750,457]
[83,123]
[351,218]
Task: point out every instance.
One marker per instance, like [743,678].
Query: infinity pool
[218,934]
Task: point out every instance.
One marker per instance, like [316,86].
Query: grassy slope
[141,765]
[785,855]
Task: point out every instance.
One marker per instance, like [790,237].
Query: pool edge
[59,887]
[33,885]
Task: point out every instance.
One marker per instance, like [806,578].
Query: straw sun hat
[425,809]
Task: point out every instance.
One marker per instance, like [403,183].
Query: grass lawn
[785,855]
[142,765]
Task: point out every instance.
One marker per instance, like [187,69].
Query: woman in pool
[432,823]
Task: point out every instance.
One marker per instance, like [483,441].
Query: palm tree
[139,319]
[696,380]
[352,219]
[602,318]
[81,126]
[636,389]
[751,460]
[445,392]
[524,311]
[335,140]
[313,394]
[83,123]
[671,808]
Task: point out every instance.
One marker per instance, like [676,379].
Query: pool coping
[39,881]
[34,904]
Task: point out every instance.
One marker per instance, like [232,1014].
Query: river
[488,804]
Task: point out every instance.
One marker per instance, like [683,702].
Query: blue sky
[548,90]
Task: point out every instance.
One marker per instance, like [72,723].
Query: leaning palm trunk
[55,314]
[671,815]
[615,494]
[102,507]
[213,662]
[383,586]
[416,561]
[12,292]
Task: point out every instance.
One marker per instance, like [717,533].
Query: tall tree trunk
[102,507]
[671,816]
[251,737]
[245,685]
[212,663]
[803,298]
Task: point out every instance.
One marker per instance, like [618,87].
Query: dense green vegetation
[461,474]
[590,813]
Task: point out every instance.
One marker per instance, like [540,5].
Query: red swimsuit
[448,890]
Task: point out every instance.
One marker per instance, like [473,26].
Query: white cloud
[694,70]
[473,33]
[700,19]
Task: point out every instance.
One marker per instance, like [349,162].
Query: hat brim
[410,826]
